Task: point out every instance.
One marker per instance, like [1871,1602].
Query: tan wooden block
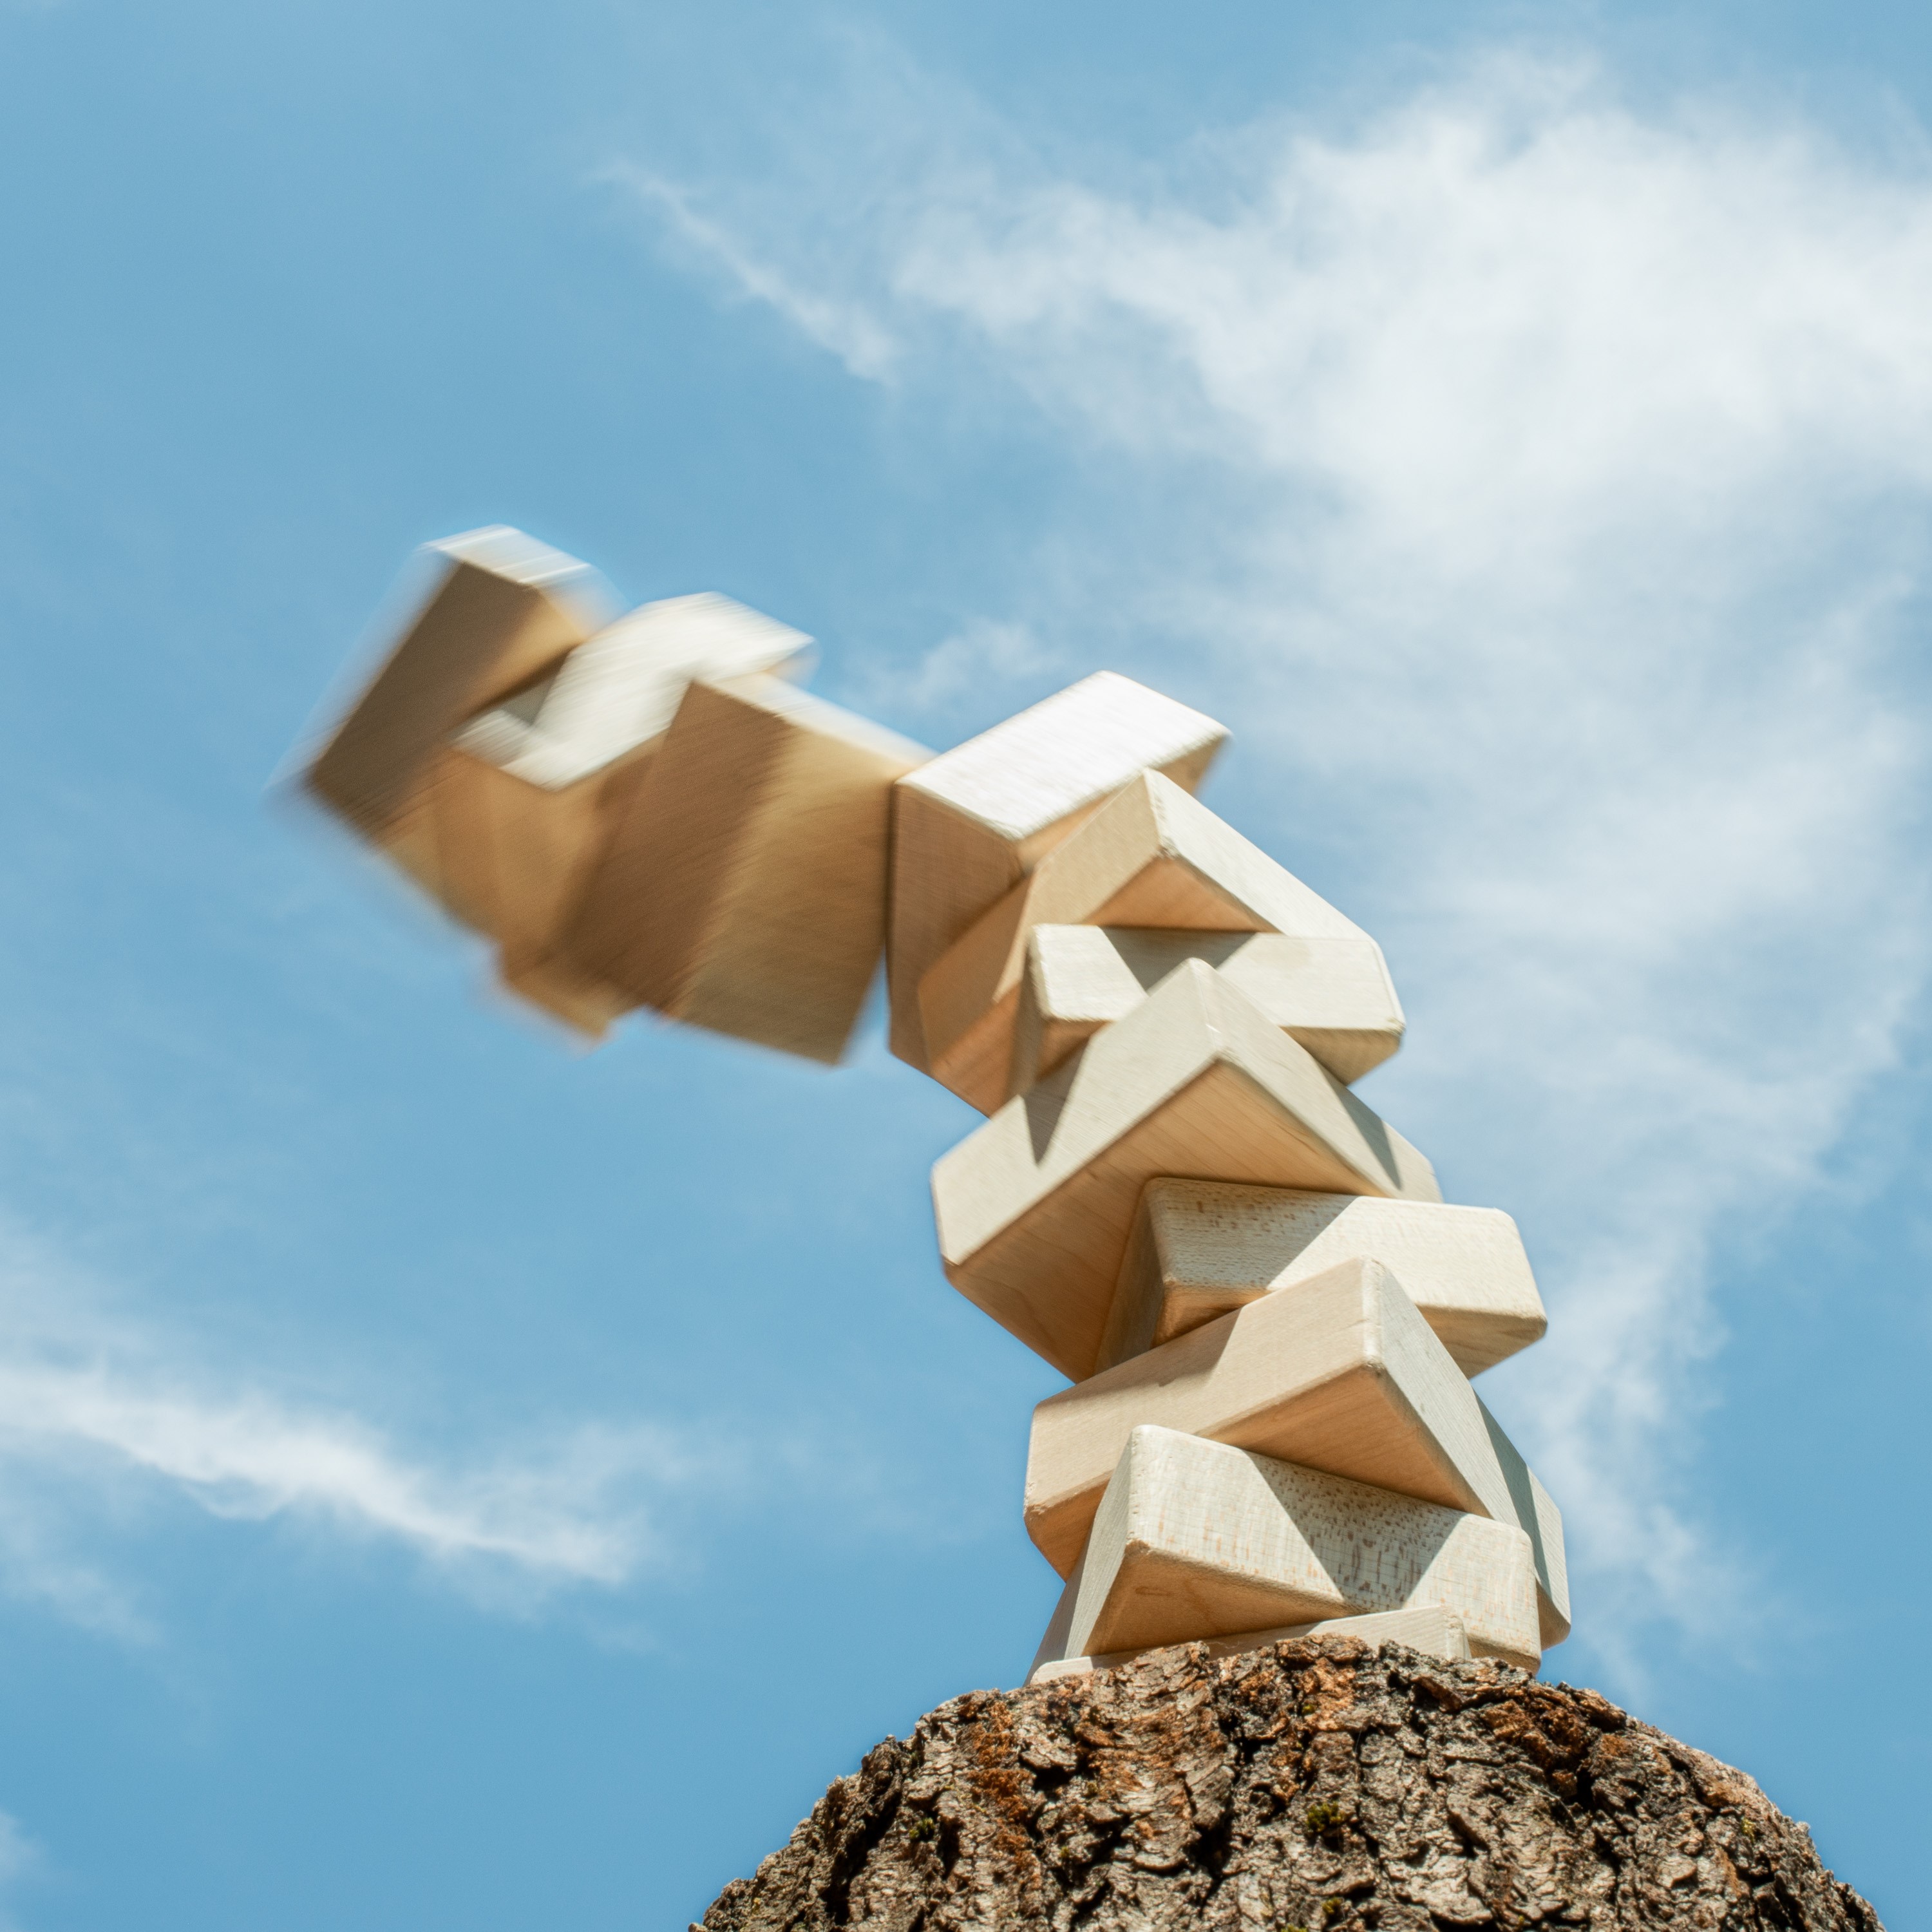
[1202,1247]
[505,609]
[1198,1540]
[1332,996]
[1151,856]
[978,818]
[525,794]
[743,886]
[1341,1374]
[1436,1633]
[619,691]
[1035,1207]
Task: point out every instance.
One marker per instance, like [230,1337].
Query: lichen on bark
[1316,1786]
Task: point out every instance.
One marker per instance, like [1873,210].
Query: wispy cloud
[21,1858]
[106,1419]
[850,331]
[1539,485]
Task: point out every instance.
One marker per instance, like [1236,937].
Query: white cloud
[105,1420]
[1540,486]
[848,330]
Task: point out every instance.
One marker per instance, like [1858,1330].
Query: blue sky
[447,1479]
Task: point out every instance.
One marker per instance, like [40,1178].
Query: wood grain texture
[1151,855]
[743,888]
[1340,1374]
[1195,1539]
[1202,1247]
[977,819]
[1034,1208]
[504,609]
[1331,996]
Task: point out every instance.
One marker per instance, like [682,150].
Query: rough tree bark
[1315,1786]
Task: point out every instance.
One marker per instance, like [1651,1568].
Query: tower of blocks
[1268,1317]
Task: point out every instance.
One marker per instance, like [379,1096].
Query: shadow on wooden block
[1151,856]
[742,886]
[1332,996]
[1034,1208]
[1196,1539]
[490,753]
[1339,1374]
[1202,1247]
[977,819]
[504,609]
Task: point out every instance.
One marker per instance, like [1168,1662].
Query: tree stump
[1317,1785]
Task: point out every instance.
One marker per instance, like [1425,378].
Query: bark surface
[1316,1786]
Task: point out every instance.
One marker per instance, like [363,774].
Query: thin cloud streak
[106,1422]
[848,331]
[1550,487]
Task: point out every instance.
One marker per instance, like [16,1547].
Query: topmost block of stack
[969,825]
[506,608]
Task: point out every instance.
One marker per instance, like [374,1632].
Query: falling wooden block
[483,757]
[977,818]
[1340,1373]
[527,792]
[1035,1207]
[1151,856]
[1332,996]
[505,610]
[1436,1633]
[1197,1540]
[1202,1247]
[742,884]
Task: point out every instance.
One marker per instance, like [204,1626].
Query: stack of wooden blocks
[1269,1317]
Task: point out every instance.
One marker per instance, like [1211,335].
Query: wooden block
[743,886]
[1151,856]
[505,609]
[978,818]
[1202,1247]
[1197,1540]
[1340,1374]
[1436,1633]
[619,690]
[485,756]
[526,793]
[1035,1207]
[1332,996]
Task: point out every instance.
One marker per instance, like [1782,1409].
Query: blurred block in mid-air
[742,883]
[504,609]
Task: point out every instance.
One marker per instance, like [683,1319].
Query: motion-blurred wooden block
[505,610]
[743,886]
[1340,1374]
[1436,1633]
[1197,1540]
[1332,996]
[980,816]
[1035,1207]
[1151,856]
[526,792]
[1202,1247]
